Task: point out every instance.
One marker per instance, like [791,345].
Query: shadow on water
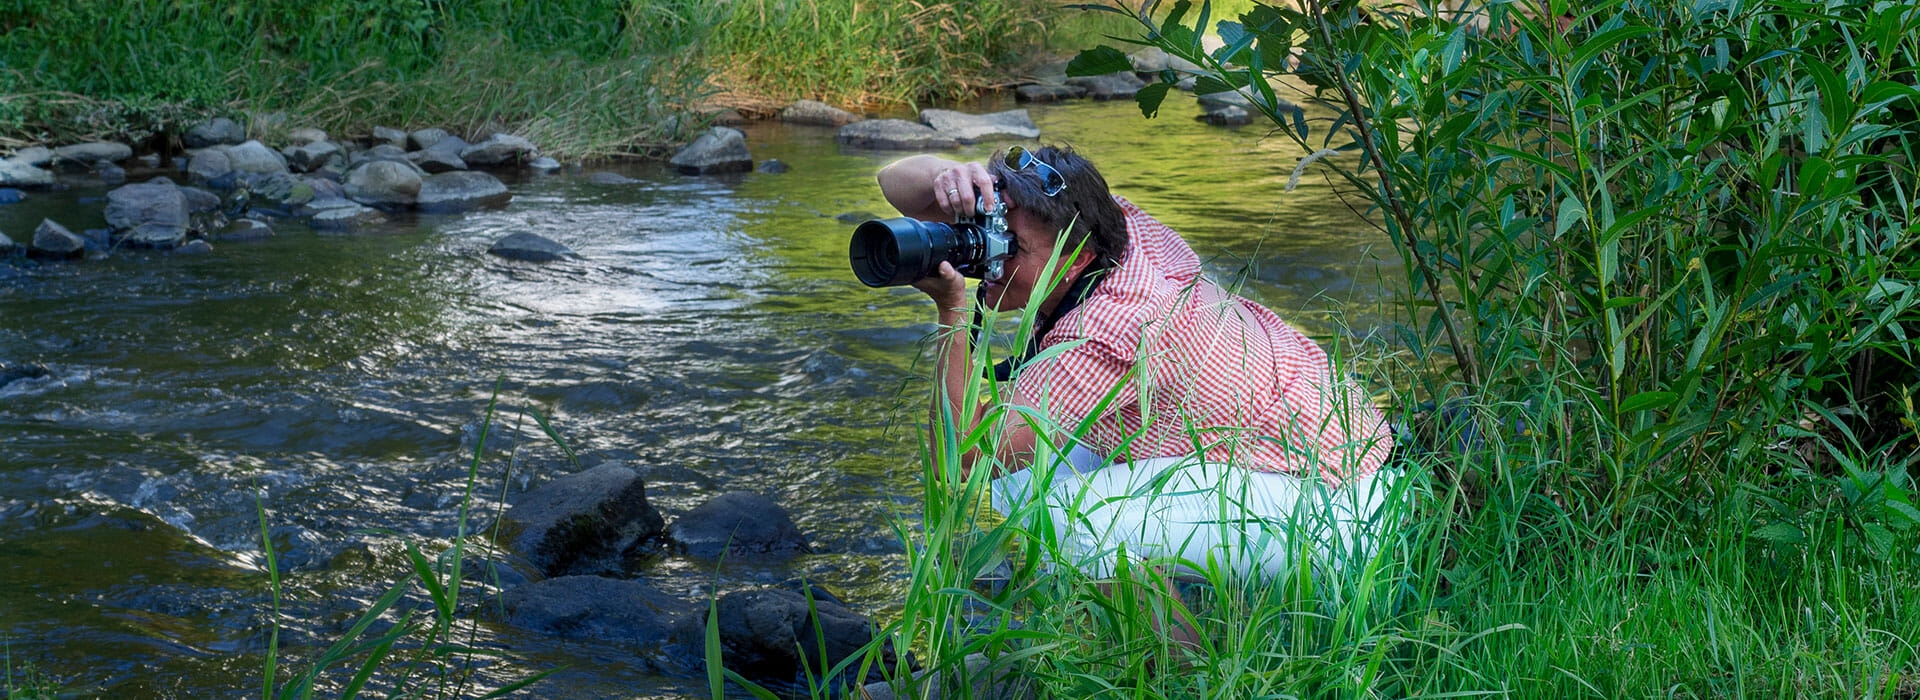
[710,334]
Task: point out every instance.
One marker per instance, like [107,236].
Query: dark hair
[1100,221]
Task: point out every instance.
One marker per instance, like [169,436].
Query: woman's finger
[983,182]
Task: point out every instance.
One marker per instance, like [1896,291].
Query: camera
[891,252]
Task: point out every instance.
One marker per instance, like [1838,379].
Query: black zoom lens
[892,252]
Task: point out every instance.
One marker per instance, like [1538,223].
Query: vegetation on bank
[579,77]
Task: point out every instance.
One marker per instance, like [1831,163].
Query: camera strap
[1043,324]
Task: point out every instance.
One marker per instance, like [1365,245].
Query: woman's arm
[930,188]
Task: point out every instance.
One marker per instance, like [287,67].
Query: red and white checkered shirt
[1262,394]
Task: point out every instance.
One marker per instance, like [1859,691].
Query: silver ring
[953,190]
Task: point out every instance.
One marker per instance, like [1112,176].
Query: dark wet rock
[544,165]
[6,245]
[154,235]
[499,150]
[388,136]
[161,180]
[1226,115]
[218,131]
[460,191]
[309,157]
[197,199]
[37,156]
[9,195]
[771,166]
[528,246]
[16,372]
[763,633]
[304,136]
[245,230]
[325,188]
[209,164]
[593,607]
[893,134]
[977,678]
[1230,98]
[1112,86]
[385,151]
[580,523]
[150,160]
[280,191]
[495,575]
[974,128]
[721,150]
[110,174]
[442,157]
[818,114]
[342,214]
[159,208]
[423,139]
[82,156]
[738,525]
[194,247]
[1048,92]
[98,239]
[255,157]
[384,183]
[16,173]
[51,240]
[607,178]
[855,217]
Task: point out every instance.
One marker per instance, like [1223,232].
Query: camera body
[903,250]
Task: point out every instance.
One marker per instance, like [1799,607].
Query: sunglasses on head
[1019,158]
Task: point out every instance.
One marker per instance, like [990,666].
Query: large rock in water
[974,128]
[592,607]
[341,214]
[384,183]
[55,241]
[423,139]
[19,173]
[720,150]
[209,164]
[528,246]
[83,156]
[894,134]
[460,191]
[155,211]
[1112,86]
[499,150]
[581,523]
[818,114]
[442,157]
[308,157]
[738,524]
[255,157]
[1048,92]
[763,633]
[218,131]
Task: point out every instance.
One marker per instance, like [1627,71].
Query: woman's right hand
[958,189]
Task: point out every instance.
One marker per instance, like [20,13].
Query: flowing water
[711,335]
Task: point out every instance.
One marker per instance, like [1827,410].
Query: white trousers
[1201,515]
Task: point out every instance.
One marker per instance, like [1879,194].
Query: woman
[1215,434]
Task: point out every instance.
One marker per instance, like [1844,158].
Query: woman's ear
[1080,262]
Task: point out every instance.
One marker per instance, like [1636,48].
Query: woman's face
[1015,289]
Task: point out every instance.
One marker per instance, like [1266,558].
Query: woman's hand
[957,189]
[949,292]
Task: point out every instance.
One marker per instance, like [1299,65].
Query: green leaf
[1647,400]
[1099,60]
[1780,533]
[1571,212]
[1211,85]
[1150,97]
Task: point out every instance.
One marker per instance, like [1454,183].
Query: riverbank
[583,78]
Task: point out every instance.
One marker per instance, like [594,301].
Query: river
[711,335]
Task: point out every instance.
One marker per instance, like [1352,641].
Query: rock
[6,244]
[110,174]
[14,173]
[218,131]
[727,117]
[36,156]
[209,164]
[527,246]
[894,134]
[309,157]
[855,217]
[423,139]
[1048,93]
[593,607]
[384,183]
[160,209]
[1226,115]
[544,165]
[763,633]
[82,156]
[1230,98]
[817,113]
[721,150]
[335,217]
[460,191]
[13,373]
[255,157]
[389,136]
[581,522]
[303,136]
[771,166]
[324,188]
[1112,86]
[245,230]
[386,151]
[442,157]
[98,239]
[974,128]
[738,524]
[194,247]
[1154,59]
[607,178]
[280,191]
[198,200]
[154,235]
[52,240]
[499,150]
[977,674]
[9,195]
[149,161]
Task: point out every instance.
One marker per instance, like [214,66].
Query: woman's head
[1085,203]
